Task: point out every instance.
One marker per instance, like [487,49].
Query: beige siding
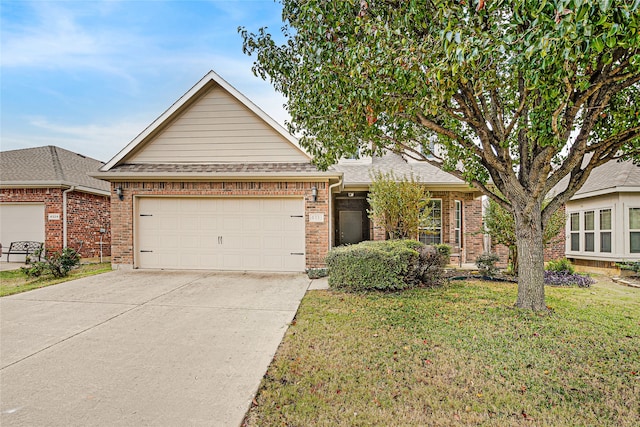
[217,128]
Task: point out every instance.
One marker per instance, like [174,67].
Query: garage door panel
[221,233]
[21,221]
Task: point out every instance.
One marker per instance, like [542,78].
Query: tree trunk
[530,260]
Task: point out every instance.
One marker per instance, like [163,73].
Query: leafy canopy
[401,206]
[516,91]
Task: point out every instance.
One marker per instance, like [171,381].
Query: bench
[24,248]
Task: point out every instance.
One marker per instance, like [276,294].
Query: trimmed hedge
[388,265]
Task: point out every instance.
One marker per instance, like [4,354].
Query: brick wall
[316,233]
[472,244]
[556,249]
[87,213]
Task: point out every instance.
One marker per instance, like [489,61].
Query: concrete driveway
[161,348]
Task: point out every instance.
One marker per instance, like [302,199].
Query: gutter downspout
[332,234]
[64,214]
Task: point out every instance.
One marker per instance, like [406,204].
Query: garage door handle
[297,253]
[145,251]
[146,214]
[297,216]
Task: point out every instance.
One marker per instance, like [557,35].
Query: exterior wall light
[119,192]
[314,193]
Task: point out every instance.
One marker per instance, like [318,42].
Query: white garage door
[20,221]
[222,234]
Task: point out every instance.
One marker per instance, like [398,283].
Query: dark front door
[350,227]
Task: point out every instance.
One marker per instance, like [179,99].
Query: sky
[90,75]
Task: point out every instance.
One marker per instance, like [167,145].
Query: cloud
[52,38]
[99,141]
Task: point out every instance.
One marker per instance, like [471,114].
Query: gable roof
[359,174]
[611,177]
[50,166]
[209,82]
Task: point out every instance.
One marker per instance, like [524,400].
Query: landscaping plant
[486,263]
[389,265]
[58,264]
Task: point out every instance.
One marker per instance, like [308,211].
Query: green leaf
[604,5]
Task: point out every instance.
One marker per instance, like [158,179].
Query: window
[634,230]
[458,223]
[605,230]
[575,231]
[432,234]
[589,242]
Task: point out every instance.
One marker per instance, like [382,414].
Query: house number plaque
[316,217]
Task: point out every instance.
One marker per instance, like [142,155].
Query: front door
[350,227]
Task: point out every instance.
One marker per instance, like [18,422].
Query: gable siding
[217,128]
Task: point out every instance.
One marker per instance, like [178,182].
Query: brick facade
[87,214]
[472,244]
[316,233]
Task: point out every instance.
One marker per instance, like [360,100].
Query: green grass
[457,355]
[15,281]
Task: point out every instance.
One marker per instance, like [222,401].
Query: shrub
[384,265]
[444,250]
[561,265]
[317,273]
[432,260]
[633,266]
[564,278]
[58,264]
[486,263]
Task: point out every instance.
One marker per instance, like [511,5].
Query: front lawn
[457,355]
[15,281]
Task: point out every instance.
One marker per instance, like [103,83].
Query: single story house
[603,217]
[215,183]
[47,195]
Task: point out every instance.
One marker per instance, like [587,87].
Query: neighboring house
[46,195]
[603,217]
[215,183]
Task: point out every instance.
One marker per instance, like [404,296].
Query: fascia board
[54,184]
[177,176]
[605,191]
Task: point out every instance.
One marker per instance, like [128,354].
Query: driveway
[137,348]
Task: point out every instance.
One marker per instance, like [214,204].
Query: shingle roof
[216,168]
[423,172]
[49,165]
[611,175]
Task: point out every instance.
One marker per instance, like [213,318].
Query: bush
[317,273]
[561,265]
[58,264]
[384,265]
[444,250]
[633,266]
[432,261]
[564,278]
[486,263]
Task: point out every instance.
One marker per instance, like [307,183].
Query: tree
[401,206]
[500,225]
[519,94]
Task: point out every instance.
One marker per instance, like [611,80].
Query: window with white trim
[575,231]
[432,235]
[605,230]
[591,231]
[458,223]
[589,236]
[634,230]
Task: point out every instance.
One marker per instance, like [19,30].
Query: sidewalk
[6,266]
